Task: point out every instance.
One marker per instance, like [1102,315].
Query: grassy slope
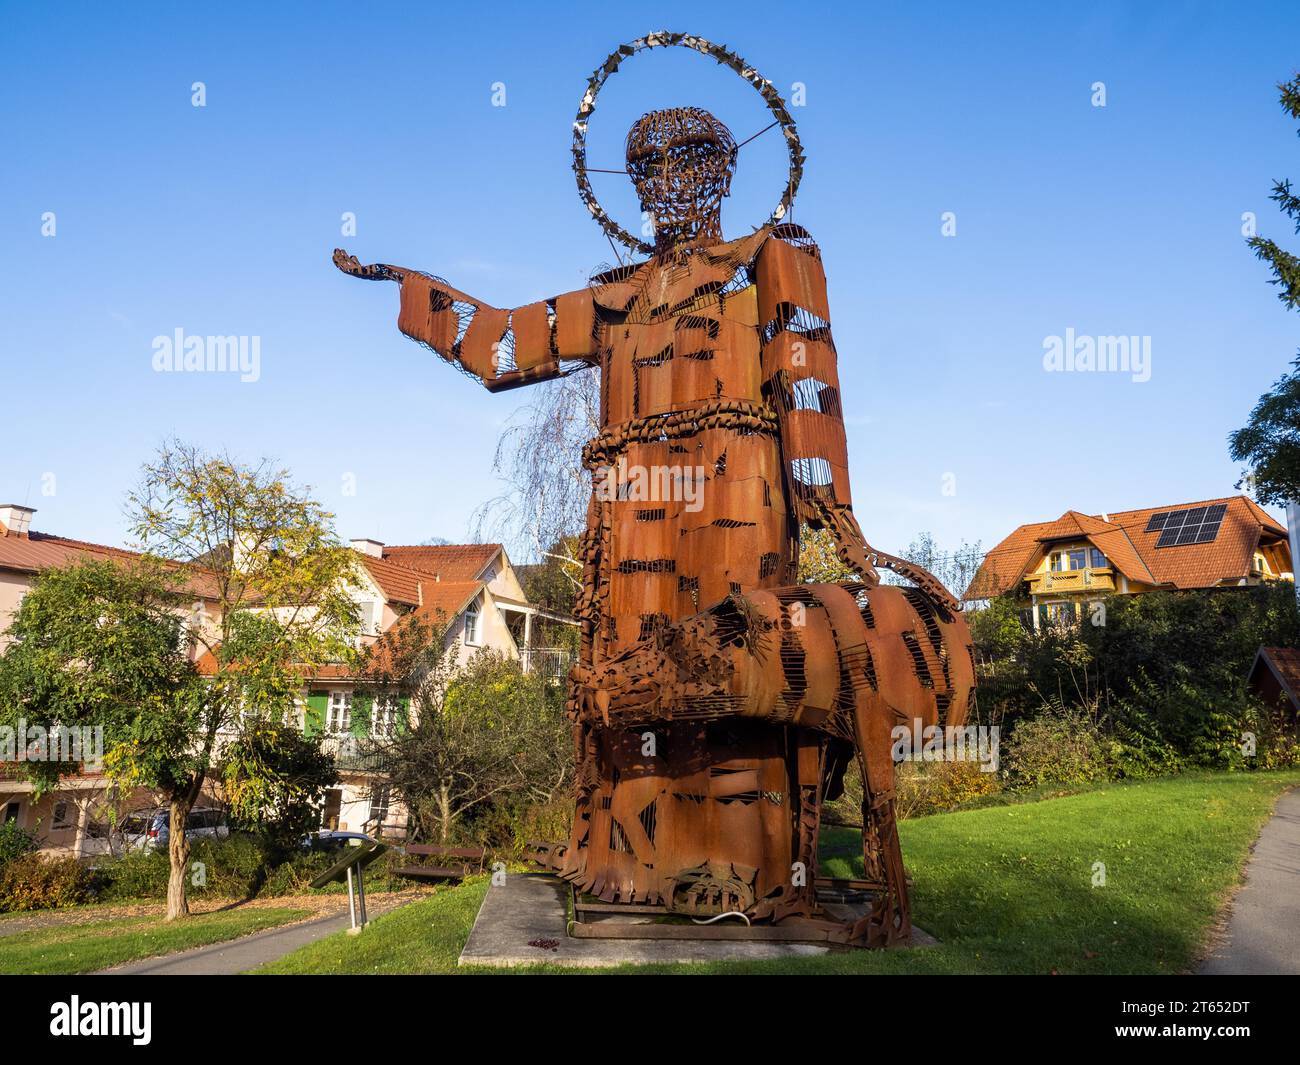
[82,948]
[1005,889]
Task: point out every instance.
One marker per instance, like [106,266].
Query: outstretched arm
[801,381]
[503,348]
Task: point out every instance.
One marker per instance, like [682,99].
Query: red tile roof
[1284,663]
[1123,538]
[400,584]
[452,562]
[40,551]
[444,601]
[447,599]
[417,576]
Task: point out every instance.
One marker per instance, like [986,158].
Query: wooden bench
[456,862]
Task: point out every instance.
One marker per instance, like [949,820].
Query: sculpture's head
[681,160]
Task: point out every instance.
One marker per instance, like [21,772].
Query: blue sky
[1122,220]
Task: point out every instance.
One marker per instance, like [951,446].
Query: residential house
[1061,566]
[72,819]
[471,588]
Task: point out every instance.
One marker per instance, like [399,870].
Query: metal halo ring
[727,58]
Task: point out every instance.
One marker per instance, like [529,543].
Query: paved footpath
[249,952]
[1263,933]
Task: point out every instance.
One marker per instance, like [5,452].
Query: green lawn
[1006,889]
[83,948]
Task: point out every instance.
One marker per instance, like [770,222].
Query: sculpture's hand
[374,272]
[475,336]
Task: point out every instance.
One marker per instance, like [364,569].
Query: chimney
[16,519]
[373,548]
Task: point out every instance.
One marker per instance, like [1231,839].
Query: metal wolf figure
[717,701]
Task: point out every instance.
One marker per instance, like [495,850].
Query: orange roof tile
[446,599]
[452,562]
[400,584]
[41,551]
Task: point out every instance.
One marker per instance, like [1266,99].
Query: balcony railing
[553,663]
[1073,580]
[355,753]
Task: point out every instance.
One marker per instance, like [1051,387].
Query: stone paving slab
[532,909]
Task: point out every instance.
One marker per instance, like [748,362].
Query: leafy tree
[997,630]
[15,842]
[818,561]
[1270,442]
[956,569]
[554,583]
[273,777]
[1285,266]
[475,734]
[240,572]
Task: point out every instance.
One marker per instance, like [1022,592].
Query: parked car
[332,840]
[147,829]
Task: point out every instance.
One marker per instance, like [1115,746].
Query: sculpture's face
[681,161]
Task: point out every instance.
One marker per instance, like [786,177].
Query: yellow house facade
[1063,566]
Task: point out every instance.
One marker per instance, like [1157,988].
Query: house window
[329,815]
[1056,562]
[473,624]
[338,721]
[1096,559]
[1077,558]
[9,812]
[383,718]
[1061,613]
[62,818]
[379,804]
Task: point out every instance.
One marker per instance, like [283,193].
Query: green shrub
[1277,741]
[135,875]
[1062,745]
[1169,667]
[925,788]
[15,842]
[243,866]
[508,826]
[31,882]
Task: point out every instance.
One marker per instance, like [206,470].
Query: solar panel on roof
[1197,525]
[1208,532]
[1157,521]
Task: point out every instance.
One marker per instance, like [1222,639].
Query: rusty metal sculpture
[717,702]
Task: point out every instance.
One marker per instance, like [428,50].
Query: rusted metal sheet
[532,335]
[717,701]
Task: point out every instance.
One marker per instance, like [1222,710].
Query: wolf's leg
[890,916]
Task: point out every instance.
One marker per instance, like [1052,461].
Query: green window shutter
[313,719]
[404,715]
[361,707]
